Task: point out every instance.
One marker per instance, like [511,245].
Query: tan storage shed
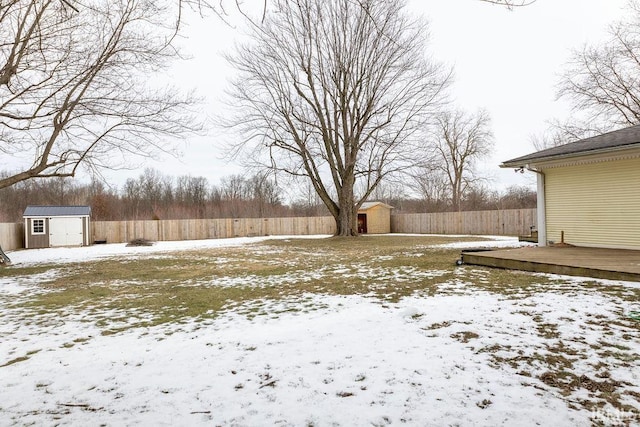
[589,190]
[52,226]
[374,218]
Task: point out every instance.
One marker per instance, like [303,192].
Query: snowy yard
[315,331]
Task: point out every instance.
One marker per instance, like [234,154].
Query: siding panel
[378,219]
[595,204]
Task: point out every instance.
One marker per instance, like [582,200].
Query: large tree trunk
[346,223]
[346,219]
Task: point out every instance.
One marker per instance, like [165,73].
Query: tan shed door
[65,232]
[596,204]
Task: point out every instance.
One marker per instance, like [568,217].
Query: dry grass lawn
[180,287]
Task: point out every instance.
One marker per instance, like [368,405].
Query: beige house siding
[595,204]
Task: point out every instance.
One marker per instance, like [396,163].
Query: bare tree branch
[73,84]
[564,132]
[601,81]
[510,4]
[336,91]
[460,140]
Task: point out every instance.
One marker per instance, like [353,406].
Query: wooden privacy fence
[196,229]
[505,222]
[511,222]
[11,236]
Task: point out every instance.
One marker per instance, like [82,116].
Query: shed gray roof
[369,205]
[611,141]
[57,211]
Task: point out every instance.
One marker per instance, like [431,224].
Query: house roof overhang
[608,145]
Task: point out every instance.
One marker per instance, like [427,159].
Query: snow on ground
[425,360]
[496,242]
[357,363]
[82,254]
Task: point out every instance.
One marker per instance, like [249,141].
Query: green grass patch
[274,276]
[280,276]
[18,271]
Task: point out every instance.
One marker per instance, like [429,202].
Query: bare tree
[431,184]
[191,193]
[601,81]
[510,4]
[517,197]
[563,132]
[263,192]
[550,137]
[233,190]
[307,202]
[335,91]
[74,84]
[221,7]
[460,139]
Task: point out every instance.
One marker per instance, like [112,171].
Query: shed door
[65,232]
[362,223]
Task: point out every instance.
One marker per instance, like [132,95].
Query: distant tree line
[153,195]
[477,198]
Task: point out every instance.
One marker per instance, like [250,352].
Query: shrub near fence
[11,236]
[511,222]
[197,229]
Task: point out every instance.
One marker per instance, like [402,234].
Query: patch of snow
[578,280]
[496,242]
[355,363]
[63,255]
[313,359]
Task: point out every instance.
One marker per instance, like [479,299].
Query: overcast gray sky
[507,62]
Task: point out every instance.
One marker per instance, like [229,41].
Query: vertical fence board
[197,229]
[11,236]
[510,222]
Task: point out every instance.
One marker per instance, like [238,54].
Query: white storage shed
[51,226]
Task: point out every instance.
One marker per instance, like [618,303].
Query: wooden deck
[616,264]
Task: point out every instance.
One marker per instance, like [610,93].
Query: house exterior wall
[595,204]
[378,219]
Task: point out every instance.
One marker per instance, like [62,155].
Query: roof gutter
[526,162]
